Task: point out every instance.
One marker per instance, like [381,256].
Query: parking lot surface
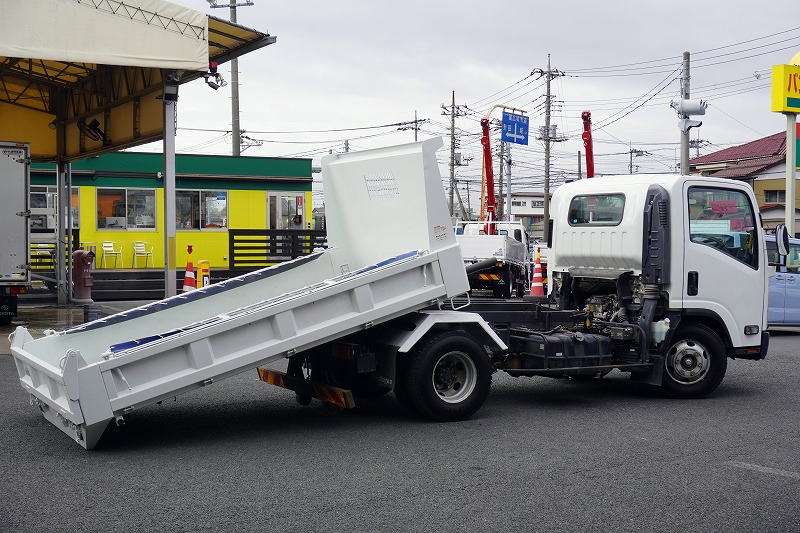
[541,455]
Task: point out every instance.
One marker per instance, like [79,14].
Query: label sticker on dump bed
[440,232]
[381,185]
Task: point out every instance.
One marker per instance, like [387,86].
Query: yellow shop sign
[786,88]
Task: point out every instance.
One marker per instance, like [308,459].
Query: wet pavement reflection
[38,318]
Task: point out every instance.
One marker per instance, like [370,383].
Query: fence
[256,248]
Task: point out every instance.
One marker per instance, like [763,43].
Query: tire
[507,289]
[695,363]
[520,290]
[448,377]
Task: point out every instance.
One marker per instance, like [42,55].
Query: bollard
[82,276]
[203,273]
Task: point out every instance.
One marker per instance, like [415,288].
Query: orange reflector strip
[489,277]
[326,393]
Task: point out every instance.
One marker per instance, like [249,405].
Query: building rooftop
[745,160]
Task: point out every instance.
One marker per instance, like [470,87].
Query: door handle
[779,277]
[691,283]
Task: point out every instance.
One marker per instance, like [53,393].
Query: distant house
[528,208]
[762,164]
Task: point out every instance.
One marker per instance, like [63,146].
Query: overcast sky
[351,64]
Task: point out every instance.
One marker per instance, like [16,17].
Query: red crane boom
[491,229]
[586,116]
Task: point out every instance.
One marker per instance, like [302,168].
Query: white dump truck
[87,376]
[498,260]
[15,276]
[637,285]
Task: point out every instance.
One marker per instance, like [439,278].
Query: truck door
[724,263]
[14,199]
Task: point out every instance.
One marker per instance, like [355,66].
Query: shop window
[126,208]
[214,209]
[201,209]
[44,204]
[187,210]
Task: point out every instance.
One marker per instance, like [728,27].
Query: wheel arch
[703,317]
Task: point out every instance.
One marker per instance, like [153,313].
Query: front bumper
[753,352]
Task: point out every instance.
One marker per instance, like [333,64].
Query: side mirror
[782,240]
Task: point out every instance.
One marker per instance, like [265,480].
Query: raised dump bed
[391,252]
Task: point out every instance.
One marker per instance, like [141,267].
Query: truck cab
[684,255]
[497,260]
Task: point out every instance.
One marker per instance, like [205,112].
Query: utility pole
[346,145]
[500,198]
[508,185]
[632,152]
[685,78]
[416,125]
[236,129]
[697,144]
[549,75]
[580,173]
[469,206]
[454,111]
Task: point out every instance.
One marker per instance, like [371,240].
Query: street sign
[515,128]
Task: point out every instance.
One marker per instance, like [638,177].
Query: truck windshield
[723,219]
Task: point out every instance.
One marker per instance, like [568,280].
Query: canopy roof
[83,77]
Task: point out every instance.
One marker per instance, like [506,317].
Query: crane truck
[641,276]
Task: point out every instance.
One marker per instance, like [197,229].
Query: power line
[394,124]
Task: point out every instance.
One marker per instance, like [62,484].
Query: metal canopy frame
[68,111]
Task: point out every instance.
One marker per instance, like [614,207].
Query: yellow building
[118,199]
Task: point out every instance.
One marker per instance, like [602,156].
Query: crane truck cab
[675,263]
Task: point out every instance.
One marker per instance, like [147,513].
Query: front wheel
[448,377]
[695,363]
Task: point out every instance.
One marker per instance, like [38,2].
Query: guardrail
[249,249]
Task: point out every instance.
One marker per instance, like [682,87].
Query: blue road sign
[515,128]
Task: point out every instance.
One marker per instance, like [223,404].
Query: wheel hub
[687,362]
[454,377]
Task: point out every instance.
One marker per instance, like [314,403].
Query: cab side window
[724,219]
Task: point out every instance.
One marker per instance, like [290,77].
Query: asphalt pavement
[542,455]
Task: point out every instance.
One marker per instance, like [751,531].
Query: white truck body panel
[377,269]
[424,321]
[735,292]
[476,246]
[13,200]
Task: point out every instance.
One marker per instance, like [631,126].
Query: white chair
[110,250]
[140,249]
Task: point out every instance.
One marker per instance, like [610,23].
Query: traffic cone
[537,288]
[189,283]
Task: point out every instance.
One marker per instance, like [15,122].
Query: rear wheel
[695,363]
[447,378]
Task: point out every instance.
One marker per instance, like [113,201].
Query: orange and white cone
[189,283]
[537,288]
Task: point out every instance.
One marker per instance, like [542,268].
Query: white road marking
[764,469]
